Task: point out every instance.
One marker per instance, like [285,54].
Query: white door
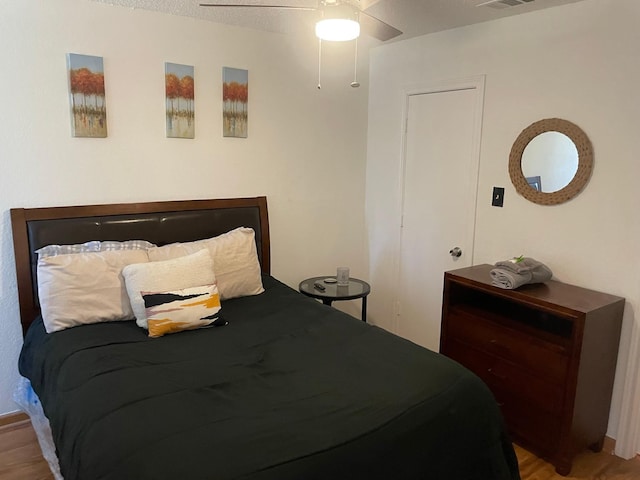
[441,156]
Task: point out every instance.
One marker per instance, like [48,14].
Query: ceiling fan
[350,15]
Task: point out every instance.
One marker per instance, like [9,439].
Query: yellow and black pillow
[178,310]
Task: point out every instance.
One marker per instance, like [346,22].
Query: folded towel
[507,279]
[511,274]
[519,264]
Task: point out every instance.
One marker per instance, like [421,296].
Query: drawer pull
[500,377]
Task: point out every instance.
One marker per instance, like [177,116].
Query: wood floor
[586,466]
[20,455]
[20,459]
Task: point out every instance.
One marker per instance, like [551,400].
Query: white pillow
[235,260]
[177,274]
[93,246]
[53,250]
[81,288]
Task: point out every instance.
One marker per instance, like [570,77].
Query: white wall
[578,62]
[305,151]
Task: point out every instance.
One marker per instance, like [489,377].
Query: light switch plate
[498,196]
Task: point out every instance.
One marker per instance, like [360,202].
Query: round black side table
[332,292]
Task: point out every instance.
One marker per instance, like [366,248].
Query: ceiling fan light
[337,29]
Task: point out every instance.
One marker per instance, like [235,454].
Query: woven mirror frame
[585,161]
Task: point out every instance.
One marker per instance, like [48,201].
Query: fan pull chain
[319,61]
[355,83]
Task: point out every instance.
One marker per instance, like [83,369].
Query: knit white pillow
[235,260]
[80,288]
[176,274]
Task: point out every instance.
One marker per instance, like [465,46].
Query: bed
[286,389]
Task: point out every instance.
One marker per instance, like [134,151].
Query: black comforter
[290,389]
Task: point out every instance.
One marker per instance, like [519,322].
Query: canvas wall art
[180,100]
[235,97]
[87,95]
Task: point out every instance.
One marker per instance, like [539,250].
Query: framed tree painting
[87,96]
[235,97]
[179,101]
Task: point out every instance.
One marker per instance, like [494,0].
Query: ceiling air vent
[503,3]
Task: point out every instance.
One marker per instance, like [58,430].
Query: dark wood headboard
[157,222]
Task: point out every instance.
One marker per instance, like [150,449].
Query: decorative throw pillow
[177,274]
[178,310]
[235,260]
[81,288]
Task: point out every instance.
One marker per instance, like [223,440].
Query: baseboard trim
[12,418]
[609,445]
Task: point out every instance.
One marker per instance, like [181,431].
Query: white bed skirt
[30,403]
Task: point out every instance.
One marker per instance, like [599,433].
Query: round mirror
[551,161]
[552,156]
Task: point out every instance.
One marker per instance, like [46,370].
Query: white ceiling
[413,17]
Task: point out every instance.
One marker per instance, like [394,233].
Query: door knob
[455,252]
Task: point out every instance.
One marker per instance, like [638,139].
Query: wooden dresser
[547,351]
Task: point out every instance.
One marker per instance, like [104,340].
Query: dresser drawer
[504,376]
[542,358]
[529,424]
